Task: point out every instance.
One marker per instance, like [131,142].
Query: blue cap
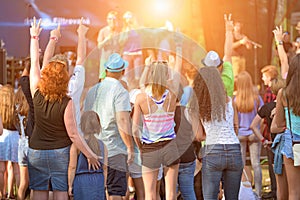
[115,63]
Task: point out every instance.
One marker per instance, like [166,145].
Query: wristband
[263,140]
[54,38]
[278,43]
[35,37]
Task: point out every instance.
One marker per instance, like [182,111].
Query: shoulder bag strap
[289,114]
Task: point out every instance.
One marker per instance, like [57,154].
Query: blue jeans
[186,180]
[221,160]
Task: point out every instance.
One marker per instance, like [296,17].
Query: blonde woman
[247,102]
[156,107]
[9,139]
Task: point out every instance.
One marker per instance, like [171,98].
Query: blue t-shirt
[245,119]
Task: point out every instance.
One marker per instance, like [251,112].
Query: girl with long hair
[85,183]
[288,101]
[248,102]
[213,121]
[8,140]
[155,106]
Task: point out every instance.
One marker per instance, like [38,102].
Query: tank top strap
[148,104]
[169,101]
[160,103]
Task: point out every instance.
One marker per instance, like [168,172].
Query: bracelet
[54,38]
[278,43]
[263,140]
[35,37]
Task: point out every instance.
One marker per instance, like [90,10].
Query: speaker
[3,70]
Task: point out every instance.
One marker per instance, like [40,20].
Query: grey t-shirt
[107,98]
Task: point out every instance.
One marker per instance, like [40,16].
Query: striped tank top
[159,125]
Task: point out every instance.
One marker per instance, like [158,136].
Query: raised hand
[278,34]
[56,32]
[148,60]
[82,29]
[35,28]
[178,38]
[228,22]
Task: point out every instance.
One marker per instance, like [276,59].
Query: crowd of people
[144,126]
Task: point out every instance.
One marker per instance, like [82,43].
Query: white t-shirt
[76,85]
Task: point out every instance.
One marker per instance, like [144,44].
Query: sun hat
[115,63]
[212,59]
[298,26]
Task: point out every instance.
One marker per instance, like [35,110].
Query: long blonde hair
[158,79]
[7,107]
[246,94]
[90,124]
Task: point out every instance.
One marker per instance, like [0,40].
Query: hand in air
[228,22]
[56,32]
[82,29]
[35,28]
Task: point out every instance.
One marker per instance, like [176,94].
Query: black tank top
[49,129]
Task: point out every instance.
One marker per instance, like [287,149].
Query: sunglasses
[164,62]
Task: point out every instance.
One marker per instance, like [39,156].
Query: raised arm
[144,76]
[76,138]
[35,75]
[81,49]
[228,38]
[49,51]
[124,126]
[178,37]
[278,36]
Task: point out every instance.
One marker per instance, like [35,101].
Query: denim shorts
[287,149]
[48,169]
[23,151]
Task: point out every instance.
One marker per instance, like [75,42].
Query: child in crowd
[86,183]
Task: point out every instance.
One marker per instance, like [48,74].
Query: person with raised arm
[157,104]
[287,122]
[241,44]
[278,36]
[55,125]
